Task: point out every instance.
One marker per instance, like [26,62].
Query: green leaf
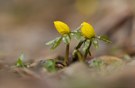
[77,35]
[19,62]
[96,63]
[86,47]
[104,38]
[50,65]
[50,42]
[66,39]
[95,43]
[54,43]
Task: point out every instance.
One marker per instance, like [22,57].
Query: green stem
[80,44]
[66,60]
[80,57]
[87,51]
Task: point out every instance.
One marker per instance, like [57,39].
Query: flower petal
[61,27]
[87,30]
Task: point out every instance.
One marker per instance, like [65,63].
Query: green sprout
[64,30]
[85,33]
[89,38]
[50,65]
[20,62]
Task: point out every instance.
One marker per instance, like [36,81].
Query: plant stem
[80,57]
[79,54]
[87,51]
[66,55]
[80,44]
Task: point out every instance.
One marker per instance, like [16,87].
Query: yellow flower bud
[61,27]
[87,30]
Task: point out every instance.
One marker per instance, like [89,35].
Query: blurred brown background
[26,25]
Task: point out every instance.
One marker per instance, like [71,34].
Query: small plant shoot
[20,62]
[86,36]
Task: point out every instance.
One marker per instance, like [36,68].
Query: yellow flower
[87,30]
[61,27]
